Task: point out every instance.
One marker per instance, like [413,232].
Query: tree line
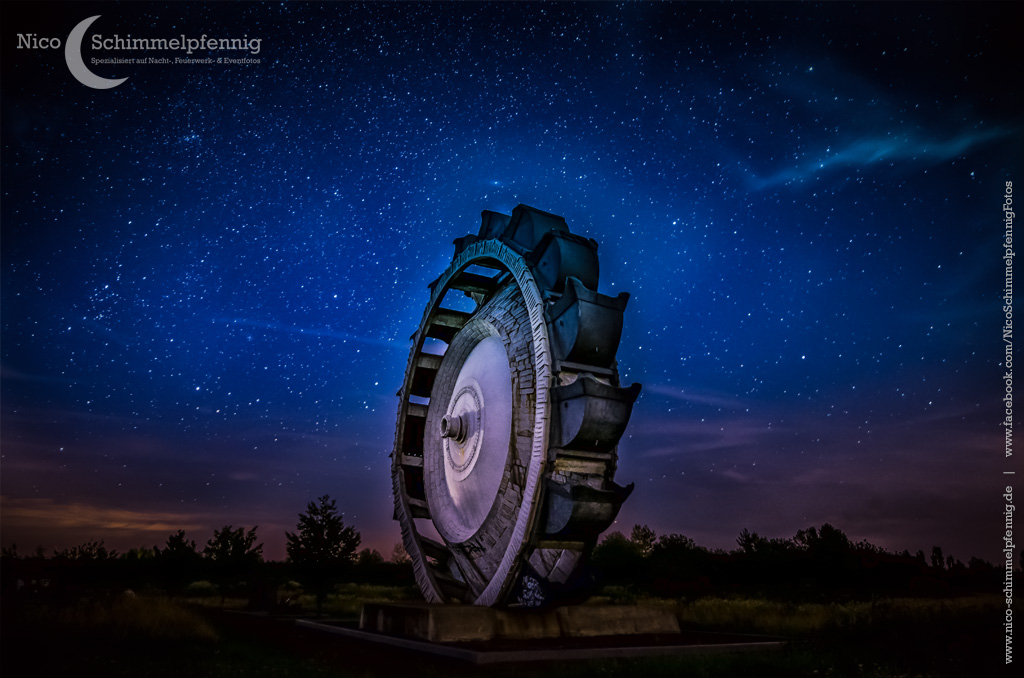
[818,562]
[321,553]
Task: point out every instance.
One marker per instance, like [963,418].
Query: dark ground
[34,644]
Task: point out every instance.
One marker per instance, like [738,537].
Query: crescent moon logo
[73,55]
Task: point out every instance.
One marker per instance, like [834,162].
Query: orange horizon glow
[32,522]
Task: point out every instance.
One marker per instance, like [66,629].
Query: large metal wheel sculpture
[510,416]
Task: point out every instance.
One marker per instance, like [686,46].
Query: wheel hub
[475,435]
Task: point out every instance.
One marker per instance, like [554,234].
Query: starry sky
[210,273]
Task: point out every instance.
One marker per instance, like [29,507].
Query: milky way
[211,271]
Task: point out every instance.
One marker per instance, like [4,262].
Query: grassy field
[140,636]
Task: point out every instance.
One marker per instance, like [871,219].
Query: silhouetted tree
[938,562]
[751,543]
[677,566]
[322,548]
[644,538]
[675,542]
[618,558]
[748,541]
[399,555]
[234,555]
[178,562]
[90,551]
[229,545]
[369,558]
[139,553]
[85,567]
[179,548]
[826,541]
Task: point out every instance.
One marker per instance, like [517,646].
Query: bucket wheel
[510,415]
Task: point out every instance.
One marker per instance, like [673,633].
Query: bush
[126,616]
[201,589]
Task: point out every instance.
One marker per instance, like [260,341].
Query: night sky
[210,273]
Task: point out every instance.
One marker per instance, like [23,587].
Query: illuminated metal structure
[510,415]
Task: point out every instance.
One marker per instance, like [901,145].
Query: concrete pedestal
[465,623]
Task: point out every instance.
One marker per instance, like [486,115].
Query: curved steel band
[497,252]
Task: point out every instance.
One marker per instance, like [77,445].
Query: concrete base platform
[559,649]
[468,623]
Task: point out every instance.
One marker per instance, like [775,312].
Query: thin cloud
[696,396]
[43,514]
[8,373]
[701,437]
[865,152]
